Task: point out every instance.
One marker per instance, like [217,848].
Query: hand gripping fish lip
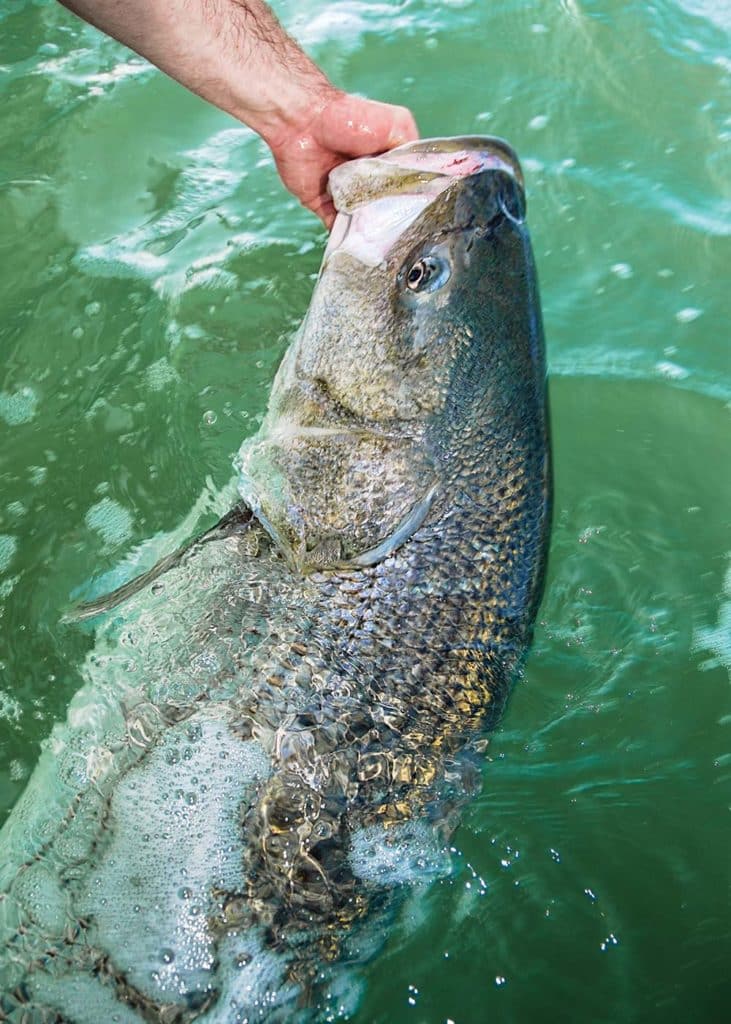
[378,198]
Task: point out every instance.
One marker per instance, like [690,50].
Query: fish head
[423,330]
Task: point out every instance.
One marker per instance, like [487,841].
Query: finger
[357,127]
[324,208]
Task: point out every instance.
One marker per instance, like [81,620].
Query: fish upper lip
[419,162]
[490,146]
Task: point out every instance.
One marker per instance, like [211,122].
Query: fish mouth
[378,198]
[308,409]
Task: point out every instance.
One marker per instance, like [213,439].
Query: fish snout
[379,198]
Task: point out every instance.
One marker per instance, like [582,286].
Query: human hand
[235,54]
[341,126]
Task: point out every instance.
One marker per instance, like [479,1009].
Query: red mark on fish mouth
[472,165]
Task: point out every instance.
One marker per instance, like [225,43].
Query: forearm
[234,54]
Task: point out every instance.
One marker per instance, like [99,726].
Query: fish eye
[427,274]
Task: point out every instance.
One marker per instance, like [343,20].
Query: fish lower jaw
[305,556]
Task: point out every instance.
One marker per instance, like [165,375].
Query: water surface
[152,272]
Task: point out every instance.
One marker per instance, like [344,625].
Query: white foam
[82,999]
[175,831]
[8,547]
[10,709]
[110,520]
[18,406]
[161,374]
[39,891]
[252,978]
[401,854]
[717,639]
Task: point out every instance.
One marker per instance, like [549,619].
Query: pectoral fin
[237,521]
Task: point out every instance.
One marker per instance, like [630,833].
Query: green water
[151,271]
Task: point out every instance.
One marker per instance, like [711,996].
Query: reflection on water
[152,272]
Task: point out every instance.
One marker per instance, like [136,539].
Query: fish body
[282,727]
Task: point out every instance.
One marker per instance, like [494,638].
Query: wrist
[292,104]
[274,87]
